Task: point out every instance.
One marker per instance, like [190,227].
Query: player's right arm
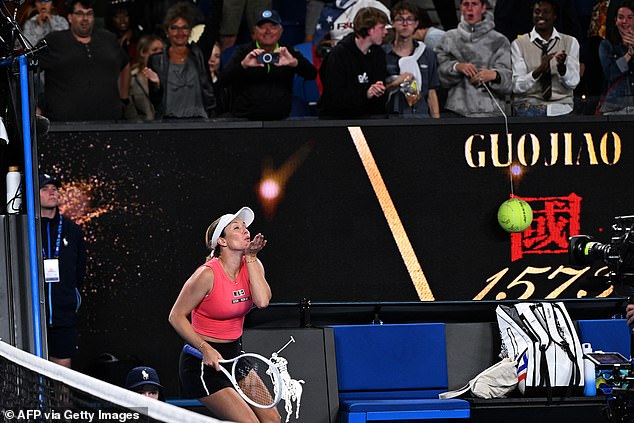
[193,292]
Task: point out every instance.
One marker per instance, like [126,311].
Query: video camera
[618,254]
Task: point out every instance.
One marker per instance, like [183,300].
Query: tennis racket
[254,377]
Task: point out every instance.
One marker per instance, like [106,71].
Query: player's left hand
[255,246]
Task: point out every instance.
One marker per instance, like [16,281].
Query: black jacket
[158,63]
[346,75]
[64,295]
[263,93]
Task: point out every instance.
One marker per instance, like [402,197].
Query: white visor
[245,214]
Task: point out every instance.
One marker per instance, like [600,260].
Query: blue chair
[394,372]
[609,335]
[293,15]
[305,93]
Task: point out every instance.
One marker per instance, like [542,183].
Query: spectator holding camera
[260,74]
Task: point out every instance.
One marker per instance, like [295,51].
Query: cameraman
[260,74]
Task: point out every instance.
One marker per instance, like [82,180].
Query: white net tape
[157,410]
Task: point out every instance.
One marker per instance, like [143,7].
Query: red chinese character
[555,219]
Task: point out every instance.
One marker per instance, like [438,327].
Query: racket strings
[256,381]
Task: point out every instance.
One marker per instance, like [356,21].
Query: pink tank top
[221,313]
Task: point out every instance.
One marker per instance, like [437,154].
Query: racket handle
[188,349]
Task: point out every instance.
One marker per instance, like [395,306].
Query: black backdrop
[146,193]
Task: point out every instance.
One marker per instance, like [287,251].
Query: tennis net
[36,390]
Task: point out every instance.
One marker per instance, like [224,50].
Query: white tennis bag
[542,338]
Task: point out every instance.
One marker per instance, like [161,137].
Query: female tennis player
[218,295]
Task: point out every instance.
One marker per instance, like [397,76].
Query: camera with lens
[618,255]
[268,58]
[615,377]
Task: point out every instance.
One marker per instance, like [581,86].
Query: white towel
[410,64]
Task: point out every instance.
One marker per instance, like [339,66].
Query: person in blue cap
[64,269]
[261,73]
[145,381]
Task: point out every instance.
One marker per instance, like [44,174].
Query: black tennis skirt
[197,382]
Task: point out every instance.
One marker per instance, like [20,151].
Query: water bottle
[14,190]
[589,376]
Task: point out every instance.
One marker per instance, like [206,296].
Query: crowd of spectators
[169,59]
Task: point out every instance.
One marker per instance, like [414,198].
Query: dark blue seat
[606,335]
[293,15]
[305,93]
[393,372]
[357,411]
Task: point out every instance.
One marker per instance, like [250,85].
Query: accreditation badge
[51,270]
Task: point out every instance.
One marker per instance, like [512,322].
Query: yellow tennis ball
[515,215]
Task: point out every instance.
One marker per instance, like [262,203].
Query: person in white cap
[218,296]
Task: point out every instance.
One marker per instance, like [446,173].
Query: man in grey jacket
[474,59]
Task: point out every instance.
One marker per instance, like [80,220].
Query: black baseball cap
[140,376]
[46,179]
[268,15]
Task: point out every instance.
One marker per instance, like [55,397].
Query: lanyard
[57,242]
